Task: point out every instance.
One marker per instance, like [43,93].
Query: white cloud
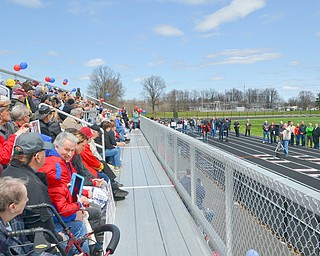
[235,10]
[84,77]
[166,30]
[94,62]
[288,87]
[294,63]
[191,2]
[28,3]
[247,59]
[156,63]
[87,7]
[52,53]
[139,80]
[237,52]
[216,78]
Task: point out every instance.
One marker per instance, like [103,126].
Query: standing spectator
[78,93]
[292,128]
[236,126]
[205,130]
[280,130]
[221,129]
[227,124]
[286,138]
[273,134]
[136,117]
[266,133]
[316,135]
[302,131]
[199,124]
[125,117]
[297,134]
[309,131]
[248,128]
[192,124]
[213,126]
[184,125]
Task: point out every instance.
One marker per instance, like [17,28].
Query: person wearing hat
[27,159]
[18,97]
[8,133]
[47,126]
[28,100]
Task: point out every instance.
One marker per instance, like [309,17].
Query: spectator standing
[78,93]
[236,126]
[286,139]
[248,128]
[205,131]
[125,117]
[273,134]
[297,134]
[136,117]
[199,124]
[292,128]
[316,135]
[302,130]
[213,126]
[280,130]
[266,133]
[309,131]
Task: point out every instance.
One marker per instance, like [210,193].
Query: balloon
[10,82]
[66,80]
[17,67]
[140,110]
[64,83]
[23,65]
[107,95]
[74,89]
[101,99]
[52,80]
[49,87]
[144,111]
[47,79]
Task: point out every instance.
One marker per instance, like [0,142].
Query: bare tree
[104,80]
[153,89]
[306,99]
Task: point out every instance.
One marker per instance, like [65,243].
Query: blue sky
[191,44]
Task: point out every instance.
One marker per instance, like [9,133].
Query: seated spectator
[47,126]
[18,97]
[20,115]
[70,122]
[67,107]
[28,100]
[28,157]
[13,198]
[8,131]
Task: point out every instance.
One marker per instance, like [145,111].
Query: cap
[87,131]
[95,127]
[31,143]
[19,91]
[44,110]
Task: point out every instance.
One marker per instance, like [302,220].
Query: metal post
[229,207]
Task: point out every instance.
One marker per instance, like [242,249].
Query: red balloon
[101,100]
[17,67]
[47,79]
[64,82]
[140,110]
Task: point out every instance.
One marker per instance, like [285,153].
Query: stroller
[41,244]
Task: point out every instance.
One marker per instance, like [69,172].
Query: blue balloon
[74,89]
[52,80]
[66,80]
[107,95]
[23,65]
[144,111]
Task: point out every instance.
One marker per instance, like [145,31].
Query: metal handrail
[83,122]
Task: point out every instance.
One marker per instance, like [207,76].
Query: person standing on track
[273,134]
[297,134]
[302,130]
[236,126]
[248,128]
[266,133]
[286,136]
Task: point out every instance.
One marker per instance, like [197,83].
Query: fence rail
[238,205]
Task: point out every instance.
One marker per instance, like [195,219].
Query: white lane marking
[147,187]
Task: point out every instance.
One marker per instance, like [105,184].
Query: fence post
[229,206]
[193,176]
[175,156]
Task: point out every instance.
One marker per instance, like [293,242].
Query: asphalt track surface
[302,165]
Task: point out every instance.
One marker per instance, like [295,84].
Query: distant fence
[239,206]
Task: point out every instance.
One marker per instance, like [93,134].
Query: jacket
[89,160]
[69,122]
[37,193]
[6,148]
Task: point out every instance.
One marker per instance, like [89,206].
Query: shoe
[120,193]
[117,169]
[118,184]
[116,198]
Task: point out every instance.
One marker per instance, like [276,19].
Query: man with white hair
[20,115]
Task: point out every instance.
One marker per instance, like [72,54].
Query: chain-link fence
[237,205]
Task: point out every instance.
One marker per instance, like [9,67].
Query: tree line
[104,80]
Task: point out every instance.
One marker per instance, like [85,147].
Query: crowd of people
[41,148]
